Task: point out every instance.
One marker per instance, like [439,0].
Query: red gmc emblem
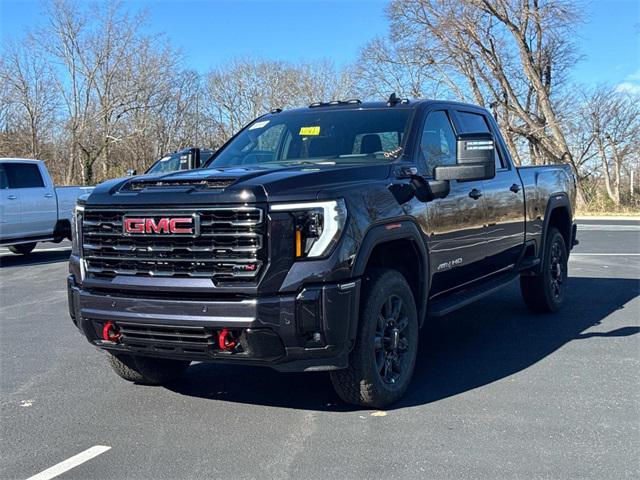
[188,226]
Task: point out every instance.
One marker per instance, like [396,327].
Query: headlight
[318,225]
[76,229]
[76,237]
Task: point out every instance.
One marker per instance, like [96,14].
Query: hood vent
[217,183]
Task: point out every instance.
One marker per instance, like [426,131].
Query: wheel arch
[558,214]
[395,245]
[62,230]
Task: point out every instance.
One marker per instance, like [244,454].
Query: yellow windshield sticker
[309,130]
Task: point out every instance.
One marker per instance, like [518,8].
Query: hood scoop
[200,183]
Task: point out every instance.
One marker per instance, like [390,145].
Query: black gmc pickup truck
[319,238]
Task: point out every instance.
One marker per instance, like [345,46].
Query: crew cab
[319,238]
[32,209]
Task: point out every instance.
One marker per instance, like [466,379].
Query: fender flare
[556,201]
[401,230]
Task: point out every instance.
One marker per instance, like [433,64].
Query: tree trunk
[617,162]
[605,168]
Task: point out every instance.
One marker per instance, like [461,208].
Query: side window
[4,182]
[23,175]
[472,122]
[438,142]
[476,123]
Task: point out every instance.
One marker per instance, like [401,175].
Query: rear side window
[472,123]
[476,123]
[23,175]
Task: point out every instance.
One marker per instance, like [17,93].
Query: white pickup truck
[32,209]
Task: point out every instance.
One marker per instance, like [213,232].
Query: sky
[212,32]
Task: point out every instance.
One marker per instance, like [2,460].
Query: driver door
[455,224]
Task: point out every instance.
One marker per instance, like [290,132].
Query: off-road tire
[546,291]
[23,248]
[145,370]
[363,383]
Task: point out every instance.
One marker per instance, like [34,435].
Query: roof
[22,160]
[357,106]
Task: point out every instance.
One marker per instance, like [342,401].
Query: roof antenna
[393,100]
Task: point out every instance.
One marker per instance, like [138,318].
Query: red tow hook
[226,340]
[111,332]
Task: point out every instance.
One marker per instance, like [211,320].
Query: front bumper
[311,330]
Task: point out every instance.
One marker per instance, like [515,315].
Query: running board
[439,308]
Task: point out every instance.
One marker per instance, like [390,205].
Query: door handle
[515,188]
[475,194]
[12,197]
[48,195]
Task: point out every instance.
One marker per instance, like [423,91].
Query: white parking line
[70,463]
[583,227]
[605,254]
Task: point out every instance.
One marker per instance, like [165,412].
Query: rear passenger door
[9,208]
[504,197]
[39,209]
[456,238]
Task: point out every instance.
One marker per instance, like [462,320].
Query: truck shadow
[37,257]
[475,346]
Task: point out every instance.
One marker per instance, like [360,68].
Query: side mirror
[423,189]
[475,159]
[131,172]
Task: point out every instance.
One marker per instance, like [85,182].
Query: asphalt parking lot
[498,392]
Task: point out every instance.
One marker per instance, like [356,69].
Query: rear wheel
[382,361]
[145,370]
[23,248]
[545,292]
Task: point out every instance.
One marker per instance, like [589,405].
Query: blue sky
[210,32]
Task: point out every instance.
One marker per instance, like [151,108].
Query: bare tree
[246,88]
[512,54]
[107,69]
[386,66]
[94,94]
[30,89]
[613,121]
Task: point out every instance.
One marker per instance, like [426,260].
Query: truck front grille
[228,247]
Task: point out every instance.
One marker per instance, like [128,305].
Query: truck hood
[250,184]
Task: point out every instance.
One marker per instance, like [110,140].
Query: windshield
[322,137]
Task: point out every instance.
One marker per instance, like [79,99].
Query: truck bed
[541,183]
[67,197]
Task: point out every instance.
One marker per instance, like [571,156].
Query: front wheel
[23,248]
[145,370]
[382,361]
[546,291]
